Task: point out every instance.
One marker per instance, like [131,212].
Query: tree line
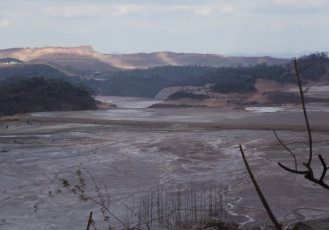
[22,95]
[241,79]
[148,82]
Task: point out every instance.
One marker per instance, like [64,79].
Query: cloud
[73,11]
[203,11]
[121,10]
[4,23]
[288,8]
[210,10]
[298,3]
[158,9]
[83,30]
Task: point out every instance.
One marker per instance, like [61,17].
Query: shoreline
[167,124]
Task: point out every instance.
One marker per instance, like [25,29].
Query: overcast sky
[130,26]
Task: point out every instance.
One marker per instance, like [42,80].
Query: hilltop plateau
[84,59]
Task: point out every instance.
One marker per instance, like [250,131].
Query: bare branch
[79,191]
[90,220]
[286,147]
[292,170]
[108,210]
[325,168]
[260,193]
[310,141]
[306,90]
[309,172]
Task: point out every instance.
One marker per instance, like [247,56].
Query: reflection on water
[265,109]
[113,114]
[286,114]
[135,104]
[128,102]
[291,108]
[127,114]
[122,113]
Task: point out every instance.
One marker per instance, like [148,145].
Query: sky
[132,26]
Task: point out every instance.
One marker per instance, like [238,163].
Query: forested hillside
[148,82]
[27,71]
[21,95]
[314,67]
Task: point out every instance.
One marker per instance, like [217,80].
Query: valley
[158,135]
[144,115]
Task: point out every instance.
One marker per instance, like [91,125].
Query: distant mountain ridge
[86,59]
[28,54]
[146,60]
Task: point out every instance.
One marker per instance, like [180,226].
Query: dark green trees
[21,95]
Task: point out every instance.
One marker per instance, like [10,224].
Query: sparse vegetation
[239,85]
[220,225]
[299,226]
[171,206]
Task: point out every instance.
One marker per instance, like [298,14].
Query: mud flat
[134,151]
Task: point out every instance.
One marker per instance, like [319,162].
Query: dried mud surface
[131,153]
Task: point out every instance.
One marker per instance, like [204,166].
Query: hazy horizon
[194,26]
[236,54]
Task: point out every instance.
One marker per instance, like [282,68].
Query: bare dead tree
[259,192]
[308,173]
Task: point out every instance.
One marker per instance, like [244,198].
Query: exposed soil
[133,151]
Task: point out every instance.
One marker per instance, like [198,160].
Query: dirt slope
[86,54]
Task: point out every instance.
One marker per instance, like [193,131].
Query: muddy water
[132,160]
[280,115]
[128,102]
